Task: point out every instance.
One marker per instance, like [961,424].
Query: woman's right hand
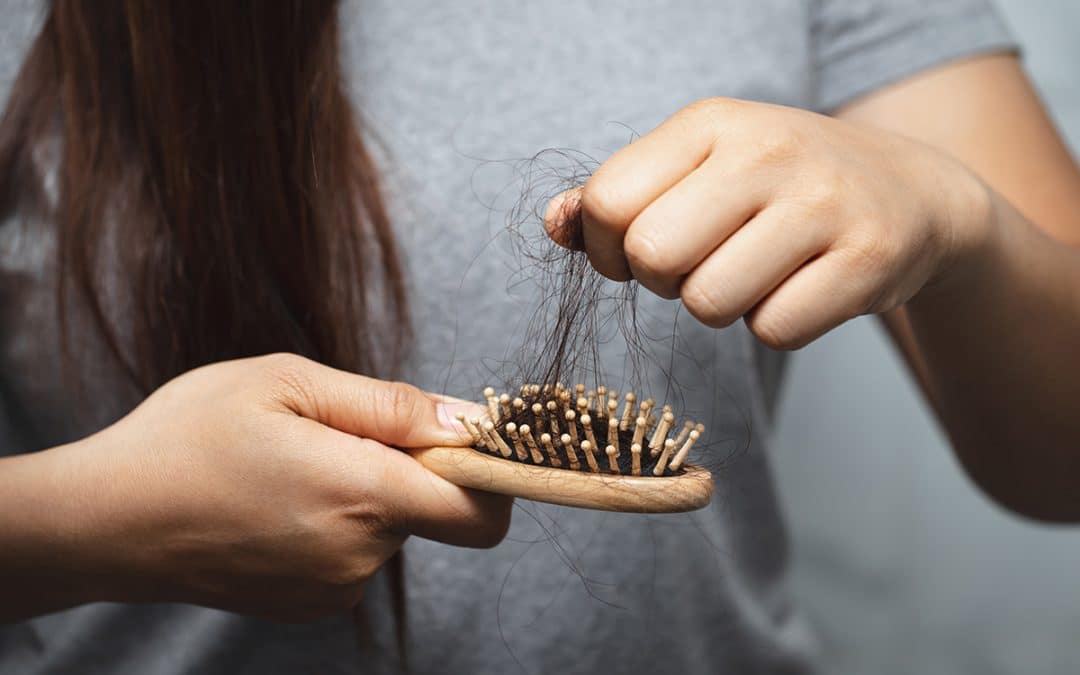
[269,486]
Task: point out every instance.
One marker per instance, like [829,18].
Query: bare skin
[265,486]
[946,204]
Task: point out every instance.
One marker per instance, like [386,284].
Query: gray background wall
[904,567]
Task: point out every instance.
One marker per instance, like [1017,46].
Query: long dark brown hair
[211,184]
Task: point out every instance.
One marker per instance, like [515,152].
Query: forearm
[48,558]
[1001,342]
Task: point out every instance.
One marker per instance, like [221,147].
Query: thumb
[418,501]
[562,219]
[392,413]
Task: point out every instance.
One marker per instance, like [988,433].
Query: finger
[750,264]
[416,501]
[812,301]
[394,413]
[562,219]
[684,225]
[629,181]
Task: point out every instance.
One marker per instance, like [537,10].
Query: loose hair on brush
[569,443]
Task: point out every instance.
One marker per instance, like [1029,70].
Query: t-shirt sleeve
[863,45]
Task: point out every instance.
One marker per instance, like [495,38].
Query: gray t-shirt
[445,86]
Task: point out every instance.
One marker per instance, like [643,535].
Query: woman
[185,187]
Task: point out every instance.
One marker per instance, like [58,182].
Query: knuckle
[706,303]
[401,403]
[777,148]
[709,109]
[288,369]
[288,374]
[706,117]
[872,254]
[603,203]
[825,193]
[776,328]
[281,361]
[644,255]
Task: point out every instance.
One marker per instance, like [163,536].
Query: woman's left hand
[793,220]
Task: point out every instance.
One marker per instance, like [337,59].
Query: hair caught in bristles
[577,423]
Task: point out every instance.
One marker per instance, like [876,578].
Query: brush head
[569,446]
[572,422]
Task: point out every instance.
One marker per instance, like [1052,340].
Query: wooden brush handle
[466,467]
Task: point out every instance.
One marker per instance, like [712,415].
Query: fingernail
[447,412]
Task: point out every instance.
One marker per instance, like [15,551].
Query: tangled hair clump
[576,309]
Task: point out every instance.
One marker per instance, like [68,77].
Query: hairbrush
[574,447]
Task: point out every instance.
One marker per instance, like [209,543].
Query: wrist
[969,216]
[48,563]
[70,525]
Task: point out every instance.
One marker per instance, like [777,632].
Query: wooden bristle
[493,403]
[660,434]
[680,456]
[553,419]
[612,409]
[504,404]
[586,423]
[473,431]
[590,458]
[504,449]
[646,412]
[519,404]
[545,440]
[571,428]
[612,459]
[639,431]
[538,415]
[519,448]
[613,432]
[650,424]
[534,452]
[489,442]
[635,455]
[687,426]
[646,406]
[661,464]
[624,424]
[582,405]
[571,453]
